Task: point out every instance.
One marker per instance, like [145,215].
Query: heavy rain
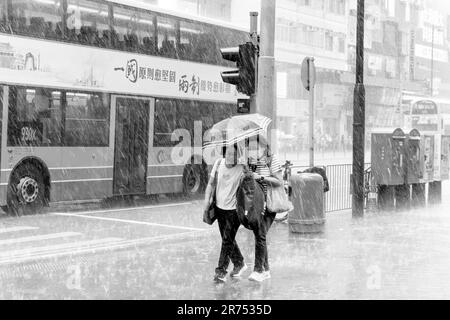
[224,150]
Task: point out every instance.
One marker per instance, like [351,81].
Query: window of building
[304,2]
[336,6]
[341,44]
[317,4]
[34,117]
[328,41]
[87,119]
[88,22]
[37,18]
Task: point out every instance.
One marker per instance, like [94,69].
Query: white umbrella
[237,128]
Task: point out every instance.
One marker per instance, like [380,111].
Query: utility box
[388,157]
[414,159]
[445,158]
[427,151]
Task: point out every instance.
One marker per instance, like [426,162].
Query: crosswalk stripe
[15,229]
[39,237]
[73,246]
[168,205]
[129,221]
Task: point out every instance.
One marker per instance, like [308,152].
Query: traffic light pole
[359,119]
[311,116]
[266,91]
[254,39]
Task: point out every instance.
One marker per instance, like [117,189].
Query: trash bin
[323,172]
[307,197]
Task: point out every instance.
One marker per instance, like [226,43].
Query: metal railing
[339,197]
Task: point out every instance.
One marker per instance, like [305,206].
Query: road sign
[308,73]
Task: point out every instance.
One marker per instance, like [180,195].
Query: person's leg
[268,220]
[225,229]
[260,246]
[235,253]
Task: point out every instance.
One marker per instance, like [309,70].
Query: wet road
[164,251]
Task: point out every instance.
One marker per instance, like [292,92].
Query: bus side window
[4,26]
[87,120]
[167,37]
[36,18]
[87,21]
[190,41]
[34,117]
[165,122]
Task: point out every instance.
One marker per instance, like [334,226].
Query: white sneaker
[237,272]
[281,216]
[257,276]
[266,274]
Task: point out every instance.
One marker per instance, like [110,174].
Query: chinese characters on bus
[190,84]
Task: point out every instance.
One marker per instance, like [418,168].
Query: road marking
[39,237]
[128,221]
[129,209]
[72,246]
[61,250]
[15,229]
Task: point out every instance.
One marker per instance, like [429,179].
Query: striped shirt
[263,169]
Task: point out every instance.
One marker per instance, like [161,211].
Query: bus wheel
[26,191]
[193,180]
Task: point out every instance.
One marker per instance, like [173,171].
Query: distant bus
[91,93]
[424,115]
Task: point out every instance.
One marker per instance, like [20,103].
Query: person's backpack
[323,173]
[250,202]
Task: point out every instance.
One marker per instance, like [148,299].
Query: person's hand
[256,176]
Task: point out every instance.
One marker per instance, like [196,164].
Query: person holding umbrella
[268,172]
[229,171]
[229,174]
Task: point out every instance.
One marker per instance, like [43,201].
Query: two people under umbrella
[229,171]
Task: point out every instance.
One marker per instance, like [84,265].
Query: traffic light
[244,78]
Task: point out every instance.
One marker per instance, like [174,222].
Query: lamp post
[359,119]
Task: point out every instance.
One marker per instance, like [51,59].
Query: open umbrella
[236,129]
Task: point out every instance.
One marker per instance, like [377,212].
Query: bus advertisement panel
[76,67]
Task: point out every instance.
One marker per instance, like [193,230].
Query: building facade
[406,45]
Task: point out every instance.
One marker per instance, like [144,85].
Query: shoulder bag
[209,216]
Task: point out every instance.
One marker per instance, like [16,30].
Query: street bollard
[386,197]
[418,195]
[435,192]
[402,197]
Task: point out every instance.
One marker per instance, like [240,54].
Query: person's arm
[275,180]
[209,188]
[208,192]
[276,173]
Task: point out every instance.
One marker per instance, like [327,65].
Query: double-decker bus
[92,92]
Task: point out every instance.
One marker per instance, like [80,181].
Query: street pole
[266,93]
[311,117]
[254,40]
[359,119]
